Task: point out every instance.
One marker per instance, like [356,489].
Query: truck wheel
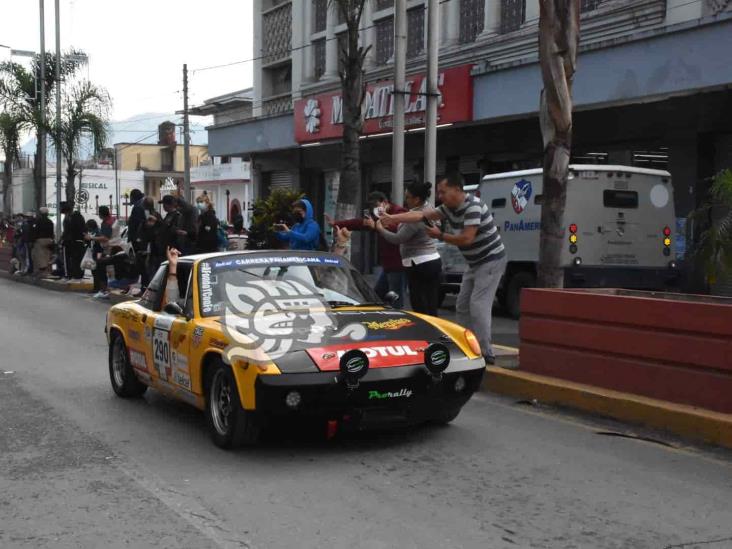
[230,425]
[124,381]
[523,279]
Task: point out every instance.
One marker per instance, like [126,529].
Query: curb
[679,419]
[55,286]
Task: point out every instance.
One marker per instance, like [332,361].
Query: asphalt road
[80,467]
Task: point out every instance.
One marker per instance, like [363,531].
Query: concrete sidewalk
[678,419]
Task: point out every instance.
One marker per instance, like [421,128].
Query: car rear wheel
[230,425]
[124,382]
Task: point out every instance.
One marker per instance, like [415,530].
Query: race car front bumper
[385,396]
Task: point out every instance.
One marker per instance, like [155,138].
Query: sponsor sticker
[197,337]
[520,195]
[378,395]
[394,324]
[164,322]
[137,359]
[395,353]
[206,288]
[134,335]
[179,360]
[182,379]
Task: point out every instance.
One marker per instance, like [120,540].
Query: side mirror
[391,298]
[173,309]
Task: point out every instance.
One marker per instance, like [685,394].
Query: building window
[342,49]
[280,80]
[513,15]
[589,5]
[320,19]
[384,4]
[276,33]
[384,40]
[415,32]
[319,60]
[471,20]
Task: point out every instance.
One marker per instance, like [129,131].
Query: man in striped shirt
[467,224]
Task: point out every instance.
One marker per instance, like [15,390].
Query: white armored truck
[619,224]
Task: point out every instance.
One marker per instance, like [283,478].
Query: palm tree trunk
[559,30]
[70,184]
[7,184]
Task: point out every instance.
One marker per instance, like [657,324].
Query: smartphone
[367,213]
[428,222]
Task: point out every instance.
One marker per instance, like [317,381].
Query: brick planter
[671,347]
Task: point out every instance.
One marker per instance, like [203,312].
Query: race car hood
[388,337]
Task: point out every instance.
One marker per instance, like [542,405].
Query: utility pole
[186,139]
[41,83]
[433,96]
[398,97]
[58,117]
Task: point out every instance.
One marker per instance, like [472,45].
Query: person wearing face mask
[208,226]
[305,233]
[392,277]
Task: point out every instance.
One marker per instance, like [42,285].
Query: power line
[362,29]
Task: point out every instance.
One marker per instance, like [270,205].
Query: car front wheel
[124,382]
[230,425]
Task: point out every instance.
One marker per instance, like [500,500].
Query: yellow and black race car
[256,336]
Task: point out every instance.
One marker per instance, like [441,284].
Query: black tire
[124,381]
[522,279]
[230,425]
[444,417]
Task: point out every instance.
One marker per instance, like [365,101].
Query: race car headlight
[472,342]
[353,365]
[436,358]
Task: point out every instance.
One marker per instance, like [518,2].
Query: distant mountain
[141,128]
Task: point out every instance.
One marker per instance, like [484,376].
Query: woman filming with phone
[418,252]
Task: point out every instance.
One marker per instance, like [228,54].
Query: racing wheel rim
[119,362]
[221,407]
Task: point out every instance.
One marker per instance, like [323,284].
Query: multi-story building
[162,162]
[652,89]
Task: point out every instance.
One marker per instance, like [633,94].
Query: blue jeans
[392,282]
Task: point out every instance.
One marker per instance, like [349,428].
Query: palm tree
[715,243]
[84,116]
[20,92]
[11,127]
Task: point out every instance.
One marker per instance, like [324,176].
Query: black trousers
[424,286]
[73,254]
[100,273]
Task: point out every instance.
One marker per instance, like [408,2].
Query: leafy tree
[84,115]
[276,208]
[559,32]
[20,92]
[715,243]
[11,127]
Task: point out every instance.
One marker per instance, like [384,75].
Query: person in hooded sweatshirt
[305,233]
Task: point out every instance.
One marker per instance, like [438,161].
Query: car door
[169,341]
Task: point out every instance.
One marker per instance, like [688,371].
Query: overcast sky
[137,47]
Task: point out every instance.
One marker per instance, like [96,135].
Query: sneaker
[489,359]
[101,295]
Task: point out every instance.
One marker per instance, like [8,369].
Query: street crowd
[407,245]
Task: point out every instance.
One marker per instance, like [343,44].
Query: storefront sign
[321,117]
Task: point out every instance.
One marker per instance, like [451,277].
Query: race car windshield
[241,284]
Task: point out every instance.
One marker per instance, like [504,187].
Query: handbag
[87,262]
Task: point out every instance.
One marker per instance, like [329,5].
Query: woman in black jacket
[208,226]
